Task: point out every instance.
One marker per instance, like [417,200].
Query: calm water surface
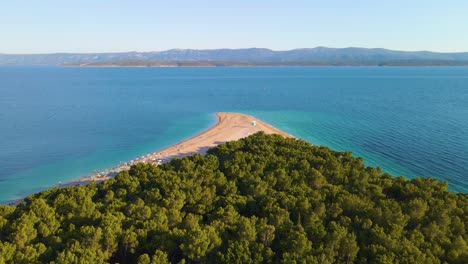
[59,123]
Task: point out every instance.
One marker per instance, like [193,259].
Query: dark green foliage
[261,199]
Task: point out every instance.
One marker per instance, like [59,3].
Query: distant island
[319,56]
[150,63]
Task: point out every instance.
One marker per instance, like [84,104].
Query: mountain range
[261,56]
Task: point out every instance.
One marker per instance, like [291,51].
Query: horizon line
[208,49]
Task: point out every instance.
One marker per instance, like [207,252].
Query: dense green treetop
[262,199]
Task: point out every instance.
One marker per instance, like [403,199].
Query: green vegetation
[261,199]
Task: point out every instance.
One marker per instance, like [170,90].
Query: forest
[261,199]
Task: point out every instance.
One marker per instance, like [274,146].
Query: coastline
[230,127]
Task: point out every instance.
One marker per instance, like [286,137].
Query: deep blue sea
[60,123]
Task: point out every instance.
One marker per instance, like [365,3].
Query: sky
[49,26]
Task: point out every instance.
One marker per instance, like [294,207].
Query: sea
[61,123]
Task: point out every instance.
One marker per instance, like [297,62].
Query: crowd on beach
[100,175]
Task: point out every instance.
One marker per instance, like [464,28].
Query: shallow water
[60,123]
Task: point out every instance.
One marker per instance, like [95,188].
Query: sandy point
[230,126]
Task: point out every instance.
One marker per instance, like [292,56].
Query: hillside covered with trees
[262,199]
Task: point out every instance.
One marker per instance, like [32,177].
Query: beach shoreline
[230,126]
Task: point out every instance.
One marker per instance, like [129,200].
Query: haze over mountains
[251,55]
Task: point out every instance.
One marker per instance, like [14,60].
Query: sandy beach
[230,126]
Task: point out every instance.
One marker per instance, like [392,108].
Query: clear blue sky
[46,26]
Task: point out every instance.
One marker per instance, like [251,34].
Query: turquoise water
[60,123]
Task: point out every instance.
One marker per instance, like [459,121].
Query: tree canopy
[261,199]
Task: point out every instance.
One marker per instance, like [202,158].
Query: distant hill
[254,56]
[151,63]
